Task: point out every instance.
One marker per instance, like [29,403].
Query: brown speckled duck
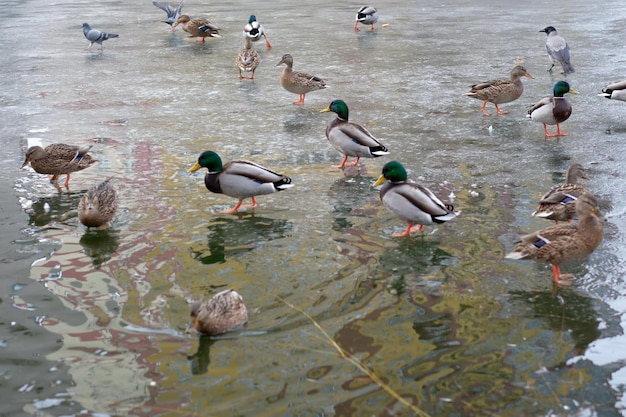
[98,205]
[197,27]
[559,203]
[247,60]
[58,159]
[564,243]
[500,91]
[223,312]
[296,82]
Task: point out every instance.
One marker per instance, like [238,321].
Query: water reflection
[568,312]
[99,245]
[200,360]
[53,209]
[232,235]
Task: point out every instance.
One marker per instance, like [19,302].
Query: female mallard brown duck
[296,82]
[247,60]
[98,205]
[254,30]
[615,91]
[224,312]
[58,159]
[411,201]
[553,110]
[559,203]
[366,15]
[351,139]
[239,179]
[564,243]
[500,91]
[197,27]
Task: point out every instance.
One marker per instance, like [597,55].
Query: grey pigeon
[558,50]
[172,13]
[96,36]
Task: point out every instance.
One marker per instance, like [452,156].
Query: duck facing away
[254,30]
[559,203]
[564,243]
[296,82]
[367,15]
[172,13]
[98,205]
[411,201]
[500,91]
[239,179]
[197,27]
[58,159]
[351,139]
[96,36]
[553,110]
[558,50]
[615,91]
[224,312]
[247,60]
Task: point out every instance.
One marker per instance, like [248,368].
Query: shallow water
[93,321]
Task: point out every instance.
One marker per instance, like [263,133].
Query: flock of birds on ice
[562,243]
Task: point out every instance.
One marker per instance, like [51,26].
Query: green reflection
[233,235]
[99,245]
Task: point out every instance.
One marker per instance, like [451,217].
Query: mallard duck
[366,15]
[248,59]
[254,30]
[558,50]
[615,91]
[500,91]
[559,204]
[197,27]
[350,139]
[553,110]
[224,312]
[58,159]
[239,179]
[411,201]
[298,82]
[96,36]
[564,243]
[172,13]
[98,205]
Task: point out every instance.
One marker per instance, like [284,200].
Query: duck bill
[25,163]
[326,110]
[195,167]
[572,91]
[529,76]
[379,181]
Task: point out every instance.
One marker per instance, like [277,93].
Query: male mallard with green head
[351,139]
[553,110]
[411,201]
[239,179]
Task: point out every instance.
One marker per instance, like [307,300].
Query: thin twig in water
[356,362]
